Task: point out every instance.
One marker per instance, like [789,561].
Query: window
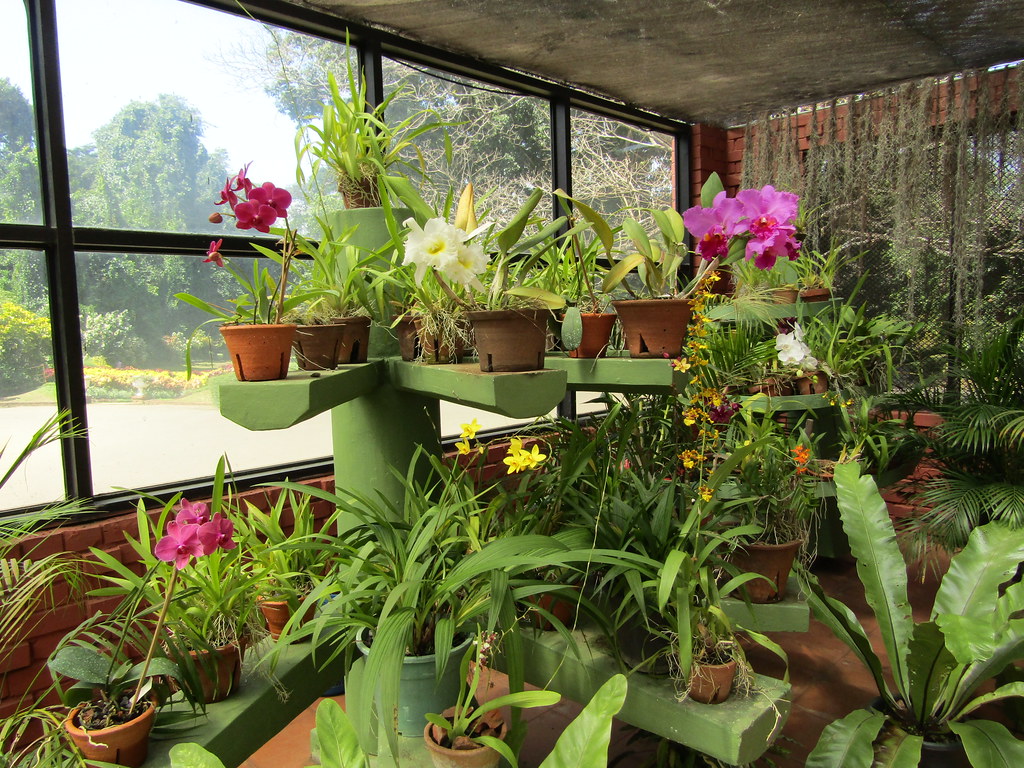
[162,99]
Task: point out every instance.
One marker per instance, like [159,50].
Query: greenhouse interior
[623,383]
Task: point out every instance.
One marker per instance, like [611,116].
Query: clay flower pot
[436,351]
[259,352]
[815,383]
[773,561]
[471,755]
[126,744]
[712,683]
[510,339]
[219,671]
[654,327]
[318,347]
[597,330]
[816,294]
[355,339]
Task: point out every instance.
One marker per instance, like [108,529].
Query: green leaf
[929,665]
[87,665]
[524,699]
[510,235]
[572,328]
[989,744]
[1010,690]
[539,295]
[849,742]
[638,235]
[899,750]
[622,268]
[880,564]
[710,189]
[339,743]
[584,742]
[971,585]
[190,755]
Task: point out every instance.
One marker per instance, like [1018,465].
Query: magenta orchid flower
[217,534]
[192,513]
[768,216]
[276,197]
[712,227]
[180,545]
[213,253]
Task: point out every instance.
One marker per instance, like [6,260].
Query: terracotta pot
[771,560]
[219,671]
[361,194]
[259,352]
[785,295]
[435,351]
[597,330]
[815,383]
[318,347]
[477,756]
[654,327]
[126,744]
[772,386]
[816,294]
[355,339]
[712,683]
[510,339]
[408,340]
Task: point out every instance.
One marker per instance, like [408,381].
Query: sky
[117,51]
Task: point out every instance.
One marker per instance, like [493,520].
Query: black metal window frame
[58,239]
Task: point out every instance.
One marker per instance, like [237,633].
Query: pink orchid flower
[769,216]
[276,197]
[192,514]
[213,253]
[712,227]
[180,545]
[217,534]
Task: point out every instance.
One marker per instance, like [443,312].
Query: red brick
[56,618]
[80,537]
[43,645]
[39,546]
[15,658]
[21,681]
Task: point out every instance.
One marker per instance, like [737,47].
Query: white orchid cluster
[444,247]
[793,350]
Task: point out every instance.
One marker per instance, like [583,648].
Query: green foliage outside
[24,348]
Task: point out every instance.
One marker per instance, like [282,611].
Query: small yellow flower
[681,365]
[515,461]
[534,458]
[705,493]
[463,447]
[469,430]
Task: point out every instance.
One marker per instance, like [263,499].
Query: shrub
[24,348]
[109,335]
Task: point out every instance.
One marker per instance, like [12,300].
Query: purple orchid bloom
[252,216]
[180,545]
[213,254]
[192,514]
[768,216]
[721,414]
[217,534]
[712,227]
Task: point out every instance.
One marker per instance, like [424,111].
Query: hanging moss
[926,179]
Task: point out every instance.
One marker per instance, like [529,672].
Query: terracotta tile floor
[828,682]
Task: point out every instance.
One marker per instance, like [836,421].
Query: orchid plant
[258,207]
[191,535]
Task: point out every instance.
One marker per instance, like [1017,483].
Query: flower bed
[105,383]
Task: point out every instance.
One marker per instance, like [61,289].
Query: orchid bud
[216,218]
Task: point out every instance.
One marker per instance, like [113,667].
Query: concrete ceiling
[712,61]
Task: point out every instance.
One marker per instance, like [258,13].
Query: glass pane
[19,161]
[618,166]
[148,149]
[147,424]
[27,392]
[502,143]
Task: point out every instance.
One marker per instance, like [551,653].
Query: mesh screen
[925,184]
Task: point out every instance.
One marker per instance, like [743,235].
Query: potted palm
[938,665]
[259,341]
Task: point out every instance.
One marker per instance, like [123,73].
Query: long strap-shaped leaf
[971,585]
[880,564]
[899,750]
[989,744]
[584,742]
[848,743]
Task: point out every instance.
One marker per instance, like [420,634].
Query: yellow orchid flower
[469,430]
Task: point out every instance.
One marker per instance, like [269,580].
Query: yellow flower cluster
[519,459]
[468,433]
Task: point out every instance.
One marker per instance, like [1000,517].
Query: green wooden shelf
[791,614]
[235,728]
[736,731]
[515,395]
[262,405]
[761,403]
[619,374]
